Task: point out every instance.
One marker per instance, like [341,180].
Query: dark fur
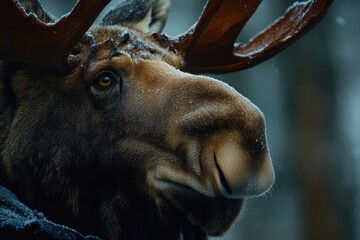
[130,12]
[126,12]
[92,158]
[59,156]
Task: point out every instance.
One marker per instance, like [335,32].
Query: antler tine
[220,22]
[24,38]
[297,21]
[209,46]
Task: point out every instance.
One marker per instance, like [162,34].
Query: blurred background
[310,95]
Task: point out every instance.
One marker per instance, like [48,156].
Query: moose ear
[35,7]
[142,15]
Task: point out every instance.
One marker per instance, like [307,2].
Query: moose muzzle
[206,144]
[217,135]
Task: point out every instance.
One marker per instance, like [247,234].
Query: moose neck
[7,104]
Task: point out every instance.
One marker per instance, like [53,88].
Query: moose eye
[105,80]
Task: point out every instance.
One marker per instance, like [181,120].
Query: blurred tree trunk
[316,140]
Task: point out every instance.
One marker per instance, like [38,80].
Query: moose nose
[241,173]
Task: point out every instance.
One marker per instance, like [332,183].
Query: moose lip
[205,206]
[214,215]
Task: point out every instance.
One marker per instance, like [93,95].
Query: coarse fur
[132,160]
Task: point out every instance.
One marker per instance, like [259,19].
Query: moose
[108,130]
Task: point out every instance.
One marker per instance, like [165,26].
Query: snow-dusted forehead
[135,43]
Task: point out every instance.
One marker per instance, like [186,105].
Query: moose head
[105,129]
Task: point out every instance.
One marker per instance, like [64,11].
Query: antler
[24,38]
[209,47]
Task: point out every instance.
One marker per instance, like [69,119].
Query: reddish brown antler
[24,38]
[209,46]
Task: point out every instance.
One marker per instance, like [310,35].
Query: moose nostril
[222,177]
[236,172]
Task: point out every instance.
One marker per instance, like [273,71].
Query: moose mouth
[209,210]
[211,198]
[213,215]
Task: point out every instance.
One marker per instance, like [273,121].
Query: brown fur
[133,161]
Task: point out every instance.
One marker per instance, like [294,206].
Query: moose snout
[233,142]
[217,136]
[241,171]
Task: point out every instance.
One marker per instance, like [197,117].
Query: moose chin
[106,129]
